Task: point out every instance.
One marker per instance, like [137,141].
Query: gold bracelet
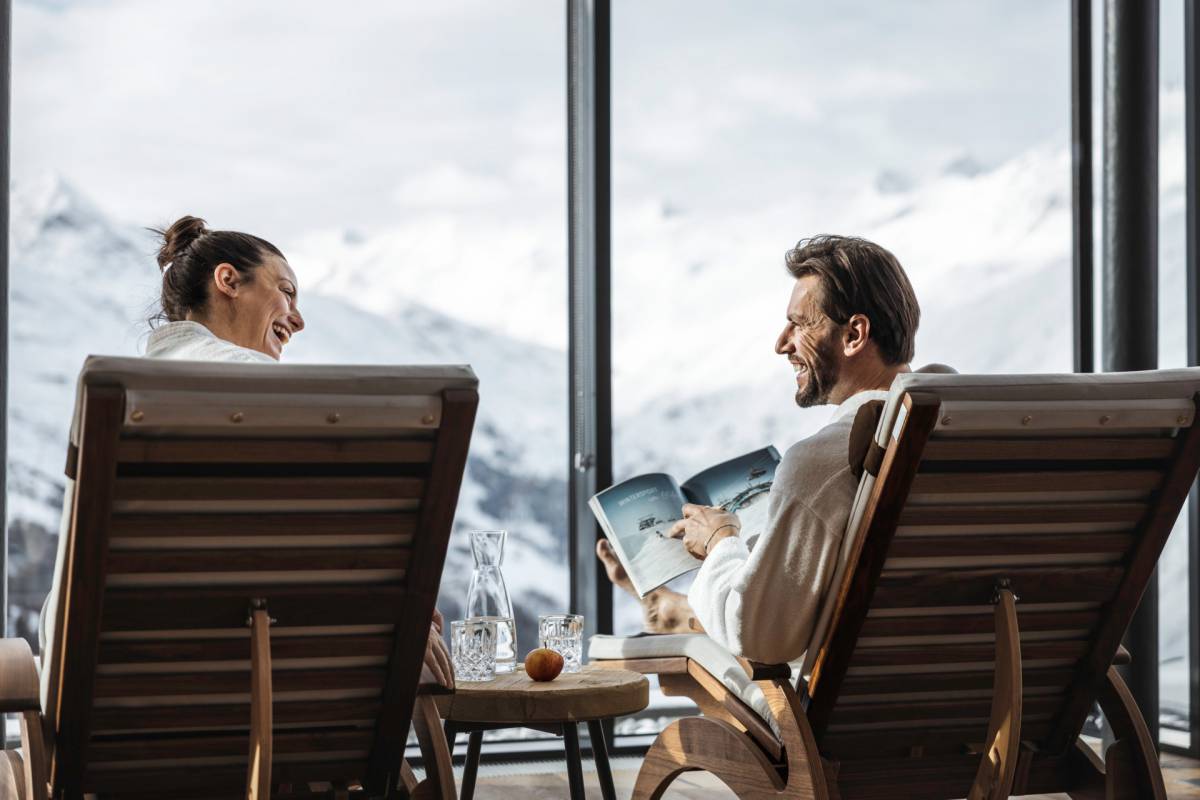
[736,530]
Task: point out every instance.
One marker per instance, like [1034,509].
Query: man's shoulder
[818,459]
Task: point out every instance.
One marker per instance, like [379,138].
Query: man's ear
[226,279]
[857,334]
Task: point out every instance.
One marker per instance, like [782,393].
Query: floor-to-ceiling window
[939,130]
[408,158]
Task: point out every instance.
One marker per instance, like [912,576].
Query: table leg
[574,765]
[600,756]
[474,743]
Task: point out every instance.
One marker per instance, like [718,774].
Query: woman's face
[265,316]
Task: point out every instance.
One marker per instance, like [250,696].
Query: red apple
[543,664]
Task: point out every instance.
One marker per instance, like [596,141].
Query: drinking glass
[563,633]
[473,649]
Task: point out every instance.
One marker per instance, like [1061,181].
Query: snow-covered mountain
[82,284]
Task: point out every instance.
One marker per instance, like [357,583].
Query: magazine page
[740,486]
[636,515]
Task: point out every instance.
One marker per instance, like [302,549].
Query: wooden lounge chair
[248,578]
[1004,531]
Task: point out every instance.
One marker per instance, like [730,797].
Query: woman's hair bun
[178,237]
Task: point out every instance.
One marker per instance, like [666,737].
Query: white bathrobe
[762,599]
[191,341]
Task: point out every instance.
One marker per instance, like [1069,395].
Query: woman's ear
[857,334]
[226,279]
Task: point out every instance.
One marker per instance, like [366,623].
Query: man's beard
[822,373]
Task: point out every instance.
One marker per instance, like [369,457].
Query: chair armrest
[1122,657]
[20,689]
[769,672]
[662,665]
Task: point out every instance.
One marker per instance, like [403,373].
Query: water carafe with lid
[487,597]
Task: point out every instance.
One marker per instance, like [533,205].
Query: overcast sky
[287,117]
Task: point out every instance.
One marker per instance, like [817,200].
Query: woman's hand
[437,667]
[702,527]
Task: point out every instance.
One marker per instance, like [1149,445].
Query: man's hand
[702,527]
[437,667]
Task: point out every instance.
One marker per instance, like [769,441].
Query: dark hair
[860,277]
[189,254]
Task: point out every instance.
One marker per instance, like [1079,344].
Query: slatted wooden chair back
[322,497]
[1063,488]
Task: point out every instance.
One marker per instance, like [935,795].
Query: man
[851,324]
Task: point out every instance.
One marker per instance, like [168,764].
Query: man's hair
[860,277]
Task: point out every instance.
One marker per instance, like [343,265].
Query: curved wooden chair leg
[714,746]
[12,776]
[258,776]
[998,768]
[733,755]
[435,753]
[1131,767]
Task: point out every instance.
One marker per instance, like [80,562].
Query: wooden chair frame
[54,761]
[732,742]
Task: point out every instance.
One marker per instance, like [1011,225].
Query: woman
[229,296]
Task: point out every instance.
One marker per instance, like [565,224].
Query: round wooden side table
[514,700]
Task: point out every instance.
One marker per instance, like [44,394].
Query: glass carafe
[487,597]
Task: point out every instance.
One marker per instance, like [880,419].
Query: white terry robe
[191,341]
[762,599]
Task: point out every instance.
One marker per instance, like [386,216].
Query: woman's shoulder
[192,341]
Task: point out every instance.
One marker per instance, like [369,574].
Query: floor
[544,780]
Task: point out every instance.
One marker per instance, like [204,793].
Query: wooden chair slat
[976,587]
[274,451]
[144,686]
[231,716]
[108,754]
[1143,481]
[961,654]
[124,562]
[1031,544]
[187,652]
[868,684]
[136,526]
[166,490]
[1001,514]
[980,623]
[223,607]
[1114,448]
[872,745]
[914,710]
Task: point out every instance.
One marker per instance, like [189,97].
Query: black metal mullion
[589,299]
[1130,263]
[1083,296]
[1191,82]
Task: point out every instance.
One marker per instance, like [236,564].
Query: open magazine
[636,514]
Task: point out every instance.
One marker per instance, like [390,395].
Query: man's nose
[296,320]
[783,345]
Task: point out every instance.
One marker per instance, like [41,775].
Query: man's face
[810,342]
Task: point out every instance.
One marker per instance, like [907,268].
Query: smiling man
[851,325]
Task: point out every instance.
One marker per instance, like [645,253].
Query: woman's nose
[296,320]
